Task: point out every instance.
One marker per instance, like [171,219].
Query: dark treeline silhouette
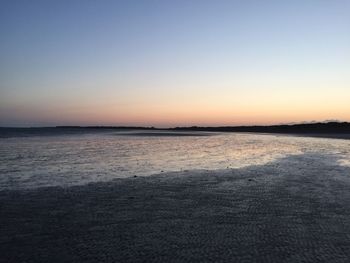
[316,128]
[310,128]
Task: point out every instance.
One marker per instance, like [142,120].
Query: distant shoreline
[334,130]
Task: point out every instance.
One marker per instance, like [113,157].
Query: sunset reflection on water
[64,160]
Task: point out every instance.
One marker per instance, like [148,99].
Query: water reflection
[79,159]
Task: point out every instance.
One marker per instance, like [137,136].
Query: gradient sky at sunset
[167,63]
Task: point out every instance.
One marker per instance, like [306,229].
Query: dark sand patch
[167,134]
[294,210]
[344,136]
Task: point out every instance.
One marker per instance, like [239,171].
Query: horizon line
[174,127]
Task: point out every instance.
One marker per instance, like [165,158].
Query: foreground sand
[296,209]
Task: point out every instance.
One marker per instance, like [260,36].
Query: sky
[171,63]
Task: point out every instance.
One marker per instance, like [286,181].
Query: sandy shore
[296,209]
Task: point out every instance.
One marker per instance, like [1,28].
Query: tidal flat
[292,209]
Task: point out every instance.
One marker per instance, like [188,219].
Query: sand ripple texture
[295,209]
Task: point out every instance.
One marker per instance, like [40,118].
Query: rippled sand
[295,209]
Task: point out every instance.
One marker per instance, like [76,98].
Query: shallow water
[74,159]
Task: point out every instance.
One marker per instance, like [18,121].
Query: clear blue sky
[170,63]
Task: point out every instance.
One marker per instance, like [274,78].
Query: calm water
[73,159]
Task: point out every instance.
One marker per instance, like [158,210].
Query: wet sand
[344,136]
[295,209]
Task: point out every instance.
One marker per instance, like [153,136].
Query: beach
[174,131]
[294,209]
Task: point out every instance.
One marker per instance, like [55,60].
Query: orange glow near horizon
[168,63]
[211,113]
